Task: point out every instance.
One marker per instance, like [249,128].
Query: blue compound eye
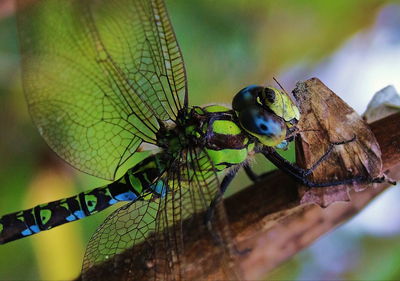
[246,97]
[268,128]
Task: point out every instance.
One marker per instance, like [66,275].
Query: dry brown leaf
[325,118]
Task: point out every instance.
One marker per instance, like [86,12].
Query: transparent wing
[98,75]
[181,224]
[159,245]
[132,224]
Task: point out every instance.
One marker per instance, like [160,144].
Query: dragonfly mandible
[108,77]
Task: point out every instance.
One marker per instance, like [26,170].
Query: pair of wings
[99,76]
[166,239]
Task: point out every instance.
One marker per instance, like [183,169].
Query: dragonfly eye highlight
[246,97]
[268,128]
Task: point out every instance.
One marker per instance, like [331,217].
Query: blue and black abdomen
[136,183]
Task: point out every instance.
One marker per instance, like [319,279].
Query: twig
[268,218]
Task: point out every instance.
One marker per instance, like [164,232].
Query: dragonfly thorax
[225,141]
[213,129]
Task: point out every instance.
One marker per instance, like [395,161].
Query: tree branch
[268,219]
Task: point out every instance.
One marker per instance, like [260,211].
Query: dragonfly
[104,81]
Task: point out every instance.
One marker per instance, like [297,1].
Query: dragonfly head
[266,113]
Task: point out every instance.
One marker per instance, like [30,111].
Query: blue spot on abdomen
[35,228]
[126,196]
[71,218]
[26,232]
[79,214]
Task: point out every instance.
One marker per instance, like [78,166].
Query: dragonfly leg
[250,174]
[211,209]
[326,154]
[300,174]
[305,172]
[224,185]
[253,176]
[210,213]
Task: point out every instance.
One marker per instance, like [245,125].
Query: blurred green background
[352,46]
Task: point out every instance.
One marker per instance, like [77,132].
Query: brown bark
[268,218]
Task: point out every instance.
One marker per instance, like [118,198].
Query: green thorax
[212,129]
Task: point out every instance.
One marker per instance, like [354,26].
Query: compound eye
[268,128]
[269,95]
[246,97]
[281,104]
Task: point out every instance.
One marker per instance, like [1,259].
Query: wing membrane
[98,75]
[181,226]
[167,248]
[129,225]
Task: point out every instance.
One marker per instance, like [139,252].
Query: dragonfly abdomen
[46,216]
[137,182]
